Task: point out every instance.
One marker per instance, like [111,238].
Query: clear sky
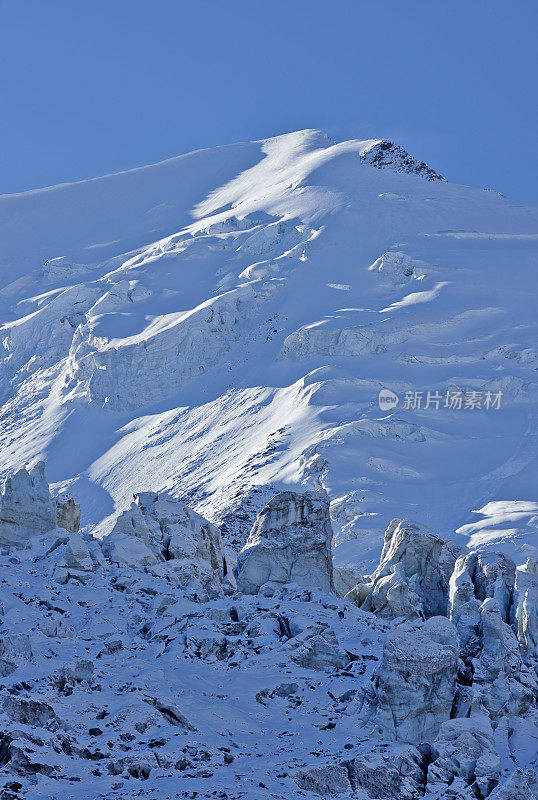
[89,87]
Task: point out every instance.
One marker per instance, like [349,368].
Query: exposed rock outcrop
[385,154]
[290,542]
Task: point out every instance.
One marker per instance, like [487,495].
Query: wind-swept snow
[223,322]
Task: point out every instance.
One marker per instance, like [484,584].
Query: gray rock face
[171,539]
[388,155]
[67,514]
[27,507]
[416,681]
[412,579]
[290,542]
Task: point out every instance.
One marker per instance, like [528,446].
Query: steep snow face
[221,324]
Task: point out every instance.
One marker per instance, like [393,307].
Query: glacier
[224,321]
[216,330]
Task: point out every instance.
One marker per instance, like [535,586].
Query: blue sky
[92,87]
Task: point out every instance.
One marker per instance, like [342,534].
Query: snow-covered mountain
[224,321]
[315,365]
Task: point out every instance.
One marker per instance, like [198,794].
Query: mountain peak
[385,154]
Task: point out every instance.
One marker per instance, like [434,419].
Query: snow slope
[220,325]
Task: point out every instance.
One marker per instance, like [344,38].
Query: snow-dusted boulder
[134,765]
[290,542]
[27,712]
[80,671]
[393,772]
[412,578]
[171,539]
[27,507]
[326,779]
[416,681]
[464,757]
[132,542]
[77,560]
[317,648]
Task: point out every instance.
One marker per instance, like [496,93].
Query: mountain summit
[221,326]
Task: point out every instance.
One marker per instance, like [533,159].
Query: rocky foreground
[155,664]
